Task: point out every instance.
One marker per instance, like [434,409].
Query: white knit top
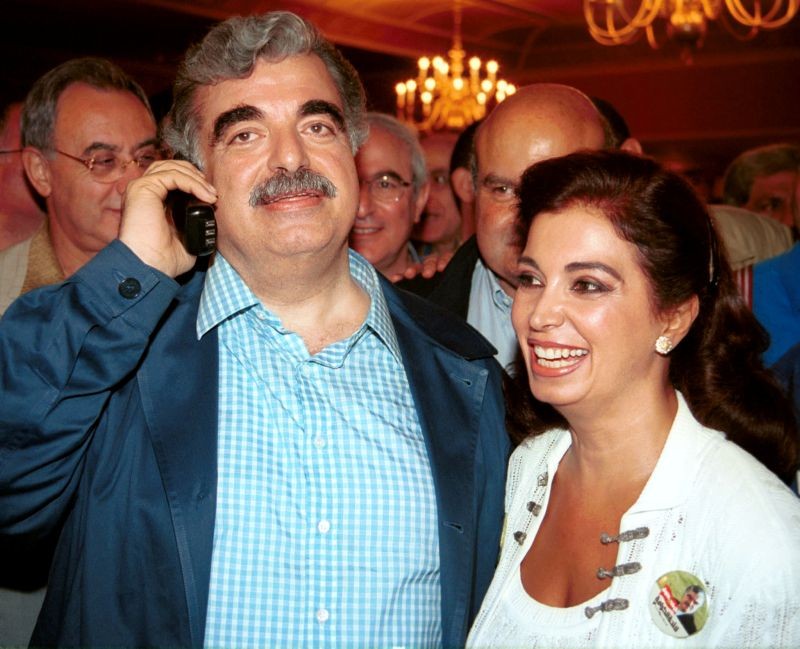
[710,511]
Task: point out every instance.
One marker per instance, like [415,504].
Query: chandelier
[617,22]
[443,96]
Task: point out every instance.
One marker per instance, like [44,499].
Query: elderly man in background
[766,180]
[394,190]
[439,229]
[87,129]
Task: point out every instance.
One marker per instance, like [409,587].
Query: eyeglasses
[385,188]
[107,167]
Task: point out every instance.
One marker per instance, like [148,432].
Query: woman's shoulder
[750,497]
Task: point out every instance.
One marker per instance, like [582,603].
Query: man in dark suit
[255,456]
[540,121]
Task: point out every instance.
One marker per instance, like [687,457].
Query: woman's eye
[589,286]
[526,280]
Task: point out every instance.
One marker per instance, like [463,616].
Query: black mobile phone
[195,222]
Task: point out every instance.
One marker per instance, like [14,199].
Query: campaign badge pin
[679,603]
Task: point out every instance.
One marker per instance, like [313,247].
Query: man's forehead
[294,80]
[385,150]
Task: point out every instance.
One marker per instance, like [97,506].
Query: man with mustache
[255,457]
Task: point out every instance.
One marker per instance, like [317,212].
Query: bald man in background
[540,121]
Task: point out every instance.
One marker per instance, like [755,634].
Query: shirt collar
[225,295]
[501,299]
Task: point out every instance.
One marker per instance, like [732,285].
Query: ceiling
[732,96]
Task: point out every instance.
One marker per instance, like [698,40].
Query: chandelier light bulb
[618,22]
[453,91]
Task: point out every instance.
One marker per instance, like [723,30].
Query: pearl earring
[663,345]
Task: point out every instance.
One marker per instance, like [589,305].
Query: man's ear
[421,200]
[461,178]
[678,320]
[37,168]
[632,145]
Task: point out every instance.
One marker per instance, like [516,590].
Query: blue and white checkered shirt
[326,523]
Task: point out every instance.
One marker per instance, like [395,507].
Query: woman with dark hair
[623,495]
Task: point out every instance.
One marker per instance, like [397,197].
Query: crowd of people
[516,386]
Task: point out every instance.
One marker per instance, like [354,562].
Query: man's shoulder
[13,267]
[437,323]
[749,237]
[458,268]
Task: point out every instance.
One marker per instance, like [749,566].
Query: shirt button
[129,288]
[261,315]
[319,441]
[324,527]
[323,615]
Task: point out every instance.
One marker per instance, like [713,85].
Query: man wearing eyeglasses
[87,129]
[394,189]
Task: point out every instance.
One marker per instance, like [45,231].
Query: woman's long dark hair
[717,366]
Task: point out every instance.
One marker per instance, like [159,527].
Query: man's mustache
[283,184]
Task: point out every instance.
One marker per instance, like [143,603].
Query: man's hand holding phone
[146,228]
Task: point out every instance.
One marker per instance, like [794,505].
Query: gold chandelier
[442,97]
[617,22]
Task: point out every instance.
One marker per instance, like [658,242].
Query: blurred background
[694,107]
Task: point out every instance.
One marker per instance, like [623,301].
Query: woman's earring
[663,345]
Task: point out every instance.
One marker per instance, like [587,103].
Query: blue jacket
[108,422]
[776,301]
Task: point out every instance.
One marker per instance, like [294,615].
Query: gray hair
[39,110]
[230,51]
[396,128]
[753,163]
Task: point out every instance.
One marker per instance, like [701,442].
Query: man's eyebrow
[322,107]
[494,179]
[388,172]
[113,148]
[151,141]
[233,116]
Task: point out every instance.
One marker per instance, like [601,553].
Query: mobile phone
[195,222]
